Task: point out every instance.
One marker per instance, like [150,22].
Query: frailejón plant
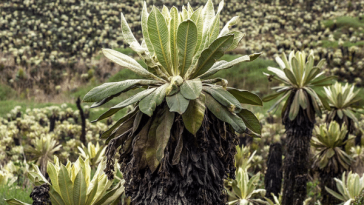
[180,109]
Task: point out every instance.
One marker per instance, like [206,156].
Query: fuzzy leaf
[223,114]
[159,36]
[145,29]
[186,42]
[128,36]
[56,199]
[79,189]
[134,99]
[194,115]
[215,28]
[65,185]
[175,21]
[225,98]
[15,202]
[111,196]
[191,89]
[221,65]
[295,107]
[251,122]
[164,132]
[177,103]
[214,52]
[245,97]
[149,103]
[128,62]
[109,89]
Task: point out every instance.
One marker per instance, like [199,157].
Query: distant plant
[350,188]
[243,189]
[73,184]
[43,148]
[327,141]
[357,154]
[341,101]
[330,160]
[297,78]
[94,153]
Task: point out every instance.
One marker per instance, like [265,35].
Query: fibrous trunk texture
[83,122]
[196,177]
[327,180]
[273,176]
[40,195]
[296,162]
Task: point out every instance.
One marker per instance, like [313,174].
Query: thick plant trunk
[327,180]
[273,176]
[40,195]
[83,122]
[195,176]
[296,162]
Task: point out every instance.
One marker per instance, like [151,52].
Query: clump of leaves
[350,188]
[43,150]
[74,184]
[341,101]
[242,190]
[94,153]
[299,78]
[328,141]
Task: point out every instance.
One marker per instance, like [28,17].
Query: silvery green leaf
[134,99]
[251,121]
[149,103]
[295,107]
[214,28]
[194,115]
[225,98]
[238,36]
[15,202]
[221,6]
[228,25]
[129,63]
[166,14]
[177,103]
[211,54]
[159,36]
[173,36]
[109,89]
[223,114]
[184,13]
[197,17]
[191,89]
[127,34]
[186,43]
[189,9]
[245,97]
[145,29]
[221,65]
[164,132]
[208,15]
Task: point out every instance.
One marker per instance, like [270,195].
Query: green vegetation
[15,192]
[45,65]
[345,22]
[6,92]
